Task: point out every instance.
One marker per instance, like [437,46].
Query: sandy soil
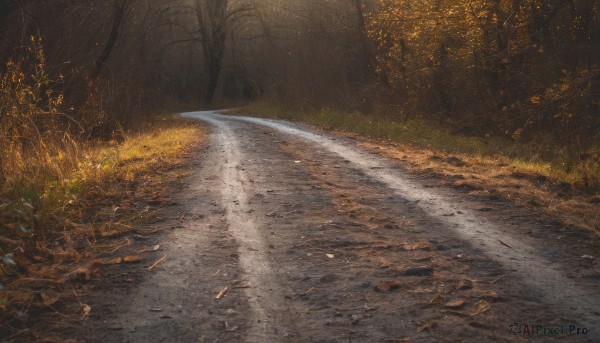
[314,239]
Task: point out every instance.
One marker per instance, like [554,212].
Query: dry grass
[495,177]
[543,177]
[65,200]
[124,174]
[113,187]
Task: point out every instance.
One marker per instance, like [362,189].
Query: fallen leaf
[427,326]
[111,233]
[436,299]
[87,309]
[48,298]
[455,304]
[464,284]
[416,246]
[222,293]
[154,248]
[116,260]
[491,296]
[131,259]
[480,307]
[589,258]
[388,286]
[84,274]
[330,255]
[8,241]
[165,316]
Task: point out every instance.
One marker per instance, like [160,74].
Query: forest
[519,68]
[518,76]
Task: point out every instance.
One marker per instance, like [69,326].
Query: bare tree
[120,7]
[212,19]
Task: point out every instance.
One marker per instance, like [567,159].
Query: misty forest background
[520,68]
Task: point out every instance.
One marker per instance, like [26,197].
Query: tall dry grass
[56,183]
[37,151]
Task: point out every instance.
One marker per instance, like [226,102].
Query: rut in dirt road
[266,314]
[544,278]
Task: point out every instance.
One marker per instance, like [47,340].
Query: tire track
[546,279]
[263,294]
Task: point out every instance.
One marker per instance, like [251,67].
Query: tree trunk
[212,17]
[118,14]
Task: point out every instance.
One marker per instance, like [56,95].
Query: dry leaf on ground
[84,274]
[427,326]
[464,284]
[388,286]
[49,298]
[116,260]
[436,299]
[455,304]
[480,307]
[131,259]
[87,309]
[111,233]
[417,245]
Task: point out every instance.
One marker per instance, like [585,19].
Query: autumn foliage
[525,69]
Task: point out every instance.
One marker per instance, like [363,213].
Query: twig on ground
[157,262]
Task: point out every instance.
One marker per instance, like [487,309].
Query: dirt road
[312,239]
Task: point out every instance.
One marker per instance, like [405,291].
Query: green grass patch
[560,164]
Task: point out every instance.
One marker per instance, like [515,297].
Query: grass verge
[557,180]
[87,213]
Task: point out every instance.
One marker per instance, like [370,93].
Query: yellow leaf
[86,310]
[536,99]
[480,307]
[116,260]
[131,259]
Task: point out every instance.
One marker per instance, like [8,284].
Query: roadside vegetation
[64,192]
[540,175]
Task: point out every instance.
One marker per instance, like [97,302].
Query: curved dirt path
[318,240]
